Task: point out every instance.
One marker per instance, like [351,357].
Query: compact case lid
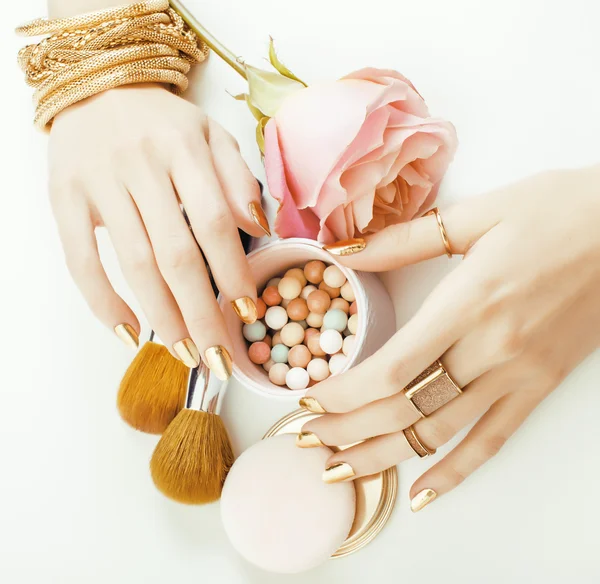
[375,495]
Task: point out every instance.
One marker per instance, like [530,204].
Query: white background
[520,80]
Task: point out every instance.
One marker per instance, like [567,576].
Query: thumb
[417,240]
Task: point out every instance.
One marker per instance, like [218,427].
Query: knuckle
[511,343]
[201,324]
[437,432]
[137,258]
[180,253]
[218,221]
[490,446]
[454,475]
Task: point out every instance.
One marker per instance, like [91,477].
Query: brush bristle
[153,389]
[192,459]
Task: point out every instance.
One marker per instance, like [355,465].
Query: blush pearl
[334,277]
[297,273]
[349,344]
[276,317]
[261,308]
[307,290]
[297,378]
[259,352]
[297,309]
[335,319]
[271,296]
[289,288]
[330,341]
[313,271]
[333,292]
[337,363]
[314,345]
[299,356]
[319,301]
[353,324]
[347,292]
[277,373]
[314,319]
[255,331]
[353,308]
[292,334]
[341,304]
[318,369]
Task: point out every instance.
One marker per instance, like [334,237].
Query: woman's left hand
[508,324]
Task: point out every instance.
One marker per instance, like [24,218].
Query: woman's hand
[509,323]
[125,159]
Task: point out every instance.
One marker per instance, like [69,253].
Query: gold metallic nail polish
[338,472]
[219,361]
[312,405]
[128,335]
[346,247]
[259,217]
[246,309]
[422,499]
[307,440]
[188,352]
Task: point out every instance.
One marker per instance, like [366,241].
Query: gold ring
[435,211]
[431,389]
[415,443]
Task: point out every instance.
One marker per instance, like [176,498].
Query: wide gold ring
[435,211]
[431,389]
[415,443]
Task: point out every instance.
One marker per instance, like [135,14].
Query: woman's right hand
[124,159]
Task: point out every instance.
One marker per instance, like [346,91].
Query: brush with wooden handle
[194,455]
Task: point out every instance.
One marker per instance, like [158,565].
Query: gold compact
[375,495]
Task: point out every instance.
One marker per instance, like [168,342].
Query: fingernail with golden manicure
[338,472]
[308,440]
[188,352]
[346,247]
[312,405]
[128,335]
[259,217]
[219,361]
[246,309]
[422,499]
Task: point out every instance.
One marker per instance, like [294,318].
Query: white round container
[376,315]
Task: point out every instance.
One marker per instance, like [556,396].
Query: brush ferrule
[203,391]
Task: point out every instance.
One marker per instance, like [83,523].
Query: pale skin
[123,160]
[509,324]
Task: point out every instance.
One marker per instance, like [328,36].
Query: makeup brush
[194,455]
[153,389]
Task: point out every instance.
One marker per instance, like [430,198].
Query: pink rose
[353,156]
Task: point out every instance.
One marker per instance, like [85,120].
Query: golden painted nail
[128,335]
[219,361]
[338,472]
[308,440]
[246,309]
[312,405]
[259,217]
[422,499]
[188,352]
[346,247]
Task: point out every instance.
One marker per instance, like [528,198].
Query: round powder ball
[276,317]
[285,303]
[299,356]
[353,324]
[271,296]
[276,339]
[264,506]
[268,340]
[261,308]
[289,288]
[273,282]
[340,304]
[314,345]
[353,308]
[303,324]
[297,273]
[318,369]
[337,363]
[297,378]
[332,292]
[306,291]
[330,341]
[314,319]
[255,331]
[267,366]
[279,353]
[297,309]
[335,319]
[319,301]
[277,373]
[347,292]
[349,344]
[292,334]
[259,352]
[313,271]
[334,277]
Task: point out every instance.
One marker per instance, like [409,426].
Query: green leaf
[268,90]
[279,65]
